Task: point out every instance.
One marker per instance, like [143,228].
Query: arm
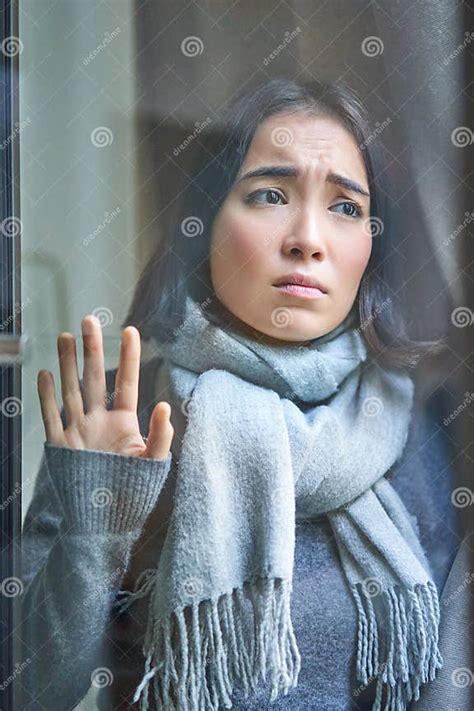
[87,511]
[98,482]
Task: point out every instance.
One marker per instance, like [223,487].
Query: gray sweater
[98,519]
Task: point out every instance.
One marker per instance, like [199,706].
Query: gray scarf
[272,434]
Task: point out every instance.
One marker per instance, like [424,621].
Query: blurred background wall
[78,183]
[78,188]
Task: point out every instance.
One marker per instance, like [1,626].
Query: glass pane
[81,251]
[137,121]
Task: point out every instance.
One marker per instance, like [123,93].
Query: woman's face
[306,222]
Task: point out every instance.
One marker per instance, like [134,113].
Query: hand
[89,424]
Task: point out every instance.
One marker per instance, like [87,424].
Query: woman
[274,414]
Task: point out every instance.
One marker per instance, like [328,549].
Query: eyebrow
[289,171]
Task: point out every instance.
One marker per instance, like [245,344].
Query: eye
[252,198]
[358,211]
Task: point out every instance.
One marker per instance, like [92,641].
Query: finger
[52,422]
[70,389]
[161,432]
[126,380]
[94,371]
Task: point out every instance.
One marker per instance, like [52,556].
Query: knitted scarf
[272,434]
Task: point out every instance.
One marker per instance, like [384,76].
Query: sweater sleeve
[87,511]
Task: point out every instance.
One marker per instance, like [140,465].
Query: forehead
[315,143]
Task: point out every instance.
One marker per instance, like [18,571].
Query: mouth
[305,286]
[306,292]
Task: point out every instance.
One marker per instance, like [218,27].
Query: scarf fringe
[220,650]
[143,585]
[411,628]
[199,660]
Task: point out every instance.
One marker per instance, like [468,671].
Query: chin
[289,324]
[283,336]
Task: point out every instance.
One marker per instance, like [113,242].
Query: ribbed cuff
[104,491]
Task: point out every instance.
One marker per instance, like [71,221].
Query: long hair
[179,264]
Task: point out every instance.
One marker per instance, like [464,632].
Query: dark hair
[180,263]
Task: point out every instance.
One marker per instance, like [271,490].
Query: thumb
[160,434]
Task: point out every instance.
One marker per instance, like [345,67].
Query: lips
[300,279]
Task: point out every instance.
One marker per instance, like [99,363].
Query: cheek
[352,262]
[237,242]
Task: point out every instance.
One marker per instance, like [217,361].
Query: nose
[306,236]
